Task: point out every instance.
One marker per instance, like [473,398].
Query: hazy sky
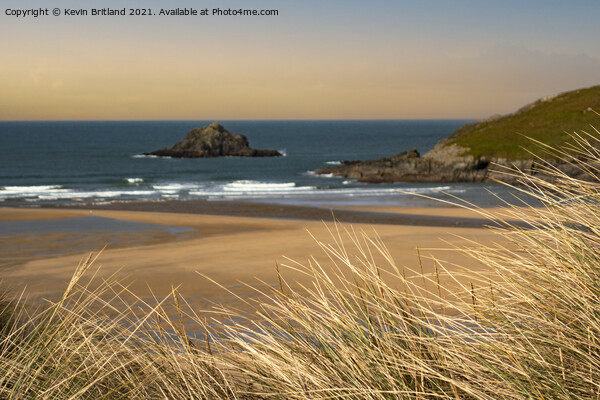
[315,60]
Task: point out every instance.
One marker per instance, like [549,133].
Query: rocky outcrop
[213,141]
[409,166]
[445,163]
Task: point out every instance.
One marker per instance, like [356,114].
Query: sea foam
[254,186]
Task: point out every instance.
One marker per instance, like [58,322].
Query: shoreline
[443,216]
[228,249]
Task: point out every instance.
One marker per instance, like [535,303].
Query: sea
[99,162]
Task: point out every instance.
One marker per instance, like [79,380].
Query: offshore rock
[213,141]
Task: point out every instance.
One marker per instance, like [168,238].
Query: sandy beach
[227,249]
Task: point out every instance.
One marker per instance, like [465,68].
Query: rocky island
[213,141]
[490,149]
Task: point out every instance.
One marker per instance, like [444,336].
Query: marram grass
[527,327]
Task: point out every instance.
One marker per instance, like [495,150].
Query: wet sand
[385,215]
[226,248]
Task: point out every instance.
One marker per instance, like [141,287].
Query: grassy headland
[489,150]
[550,121]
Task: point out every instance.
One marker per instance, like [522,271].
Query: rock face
[213,141]
[446,164]
[409,166]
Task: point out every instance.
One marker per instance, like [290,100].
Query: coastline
[229,249]
[443,215]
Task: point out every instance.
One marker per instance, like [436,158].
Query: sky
[327,59]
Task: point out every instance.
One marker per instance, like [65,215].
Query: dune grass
[527,327]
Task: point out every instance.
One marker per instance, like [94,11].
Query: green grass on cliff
[548,121]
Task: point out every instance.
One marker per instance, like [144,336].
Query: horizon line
[242,120]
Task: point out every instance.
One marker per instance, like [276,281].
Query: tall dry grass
[528,327]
